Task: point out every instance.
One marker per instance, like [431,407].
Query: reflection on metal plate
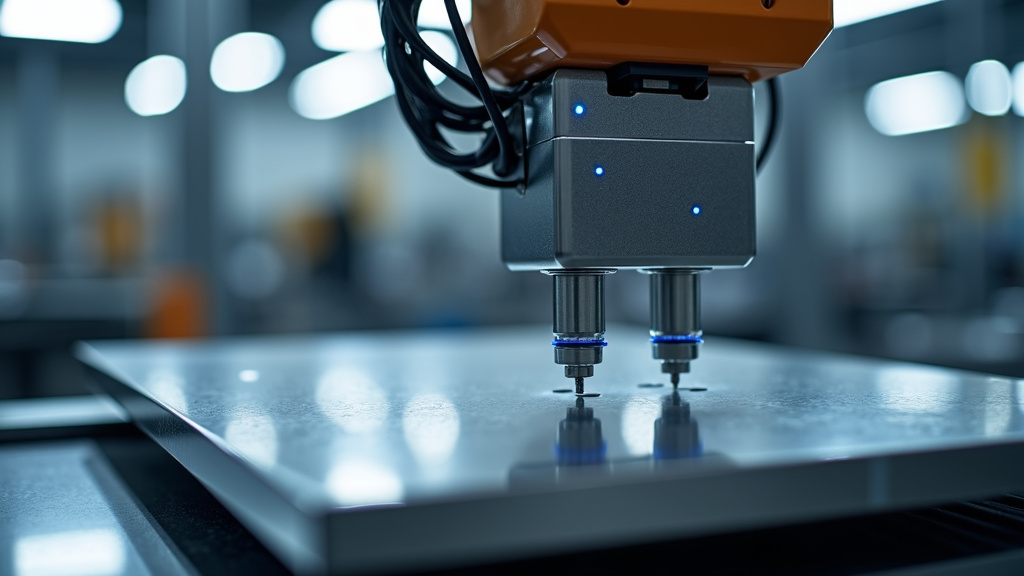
[374,452]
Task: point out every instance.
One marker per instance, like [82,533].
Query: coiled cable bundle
[497,161]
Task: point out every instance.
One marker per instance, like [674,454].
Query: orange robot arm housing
[518,40]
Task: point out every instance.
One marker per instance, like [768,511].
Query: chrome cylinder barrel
[676,332]
[578,321]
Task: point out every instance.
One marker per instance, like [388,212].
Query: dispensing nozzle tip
[579,373]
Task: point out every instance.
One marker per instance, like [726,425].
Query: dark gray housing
[620,185]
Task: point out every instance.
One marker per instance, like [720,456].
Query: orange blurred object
[518,40]
[179,307]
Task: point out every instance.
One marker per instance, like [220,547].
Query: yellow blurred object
[371,188]
[119,231]
[310,232]
[986,166]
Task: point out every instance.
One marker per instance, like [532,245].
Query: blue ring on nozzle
[677,340]
[579,343]
[580,457]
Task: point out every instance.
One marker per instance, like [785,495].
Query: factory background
[169,173]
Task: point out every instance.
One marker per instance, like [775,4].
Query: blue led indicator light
[599,171]
[579,109]
[696,210]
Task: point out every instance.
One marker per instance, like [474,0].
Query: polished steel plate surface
[63,511]
[368,452]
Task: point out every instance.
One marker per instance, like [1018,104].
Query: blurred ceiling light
[246,61]
[89,21]
[341,85]
[847,12]
[1018,89]
[155,86]
[444,46]
[919,103]
[249,375]
[433,14]
[347,25]
[989,88]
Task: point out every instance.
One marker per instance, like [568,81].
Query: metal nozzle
[579,321]
[675,319]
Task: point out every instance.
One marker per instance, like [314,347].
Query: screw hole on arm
[766,3]
[622,2]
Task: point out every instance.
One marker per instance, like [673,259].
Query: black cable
[426,110]
[774,118]
[504,164]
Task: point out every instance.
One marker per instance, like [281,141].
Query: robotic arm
[624,141]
